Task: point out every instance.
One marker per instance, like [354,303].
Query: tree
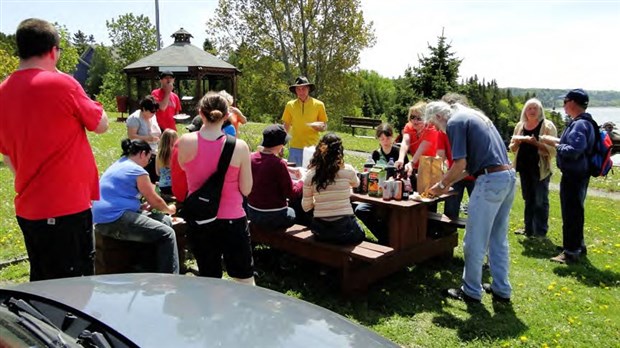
[321,39]
[377,93]
[81,41]
[69,57]
[8,63]
[209,46]
[8,43]
[102,63]
[438,73]
[132,37]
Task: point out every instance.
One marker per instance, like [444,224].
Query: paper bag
[430,171]
[307,155]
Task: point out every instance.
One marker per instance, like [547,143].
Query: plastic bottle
[390,169]
[369,164]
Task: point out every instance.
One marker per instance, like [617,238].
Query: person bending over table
[119,213]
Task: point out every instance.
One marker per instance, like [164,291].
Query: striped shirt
[335,199]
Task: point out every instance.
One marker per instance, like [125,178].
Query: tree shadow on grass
[586,273]
[480,324]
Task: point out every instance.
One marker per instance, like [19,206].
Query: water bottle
[390,169]
[369,163]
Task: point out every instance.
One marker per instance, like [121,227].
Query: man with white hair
[477,148]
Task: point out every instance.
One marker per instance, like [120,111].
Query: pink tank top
[201,167]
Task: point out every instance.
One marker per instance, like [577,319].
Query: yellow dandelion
[550,287]
[523,338]
[544,345]
[607,267]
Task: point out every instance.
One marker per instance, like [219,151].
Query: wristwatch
[441,185]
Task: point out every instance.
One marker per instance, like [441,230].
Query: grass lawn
[553,305]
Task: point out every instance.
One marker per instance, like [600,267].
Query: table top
[357,197]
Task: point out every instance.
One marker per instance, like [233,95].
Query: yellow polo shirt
[298,114]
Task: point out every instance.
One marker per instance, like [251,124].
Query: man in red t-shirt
[169,102]
[43,142]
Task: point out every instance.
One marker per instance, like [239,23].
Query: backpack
[201,206]
[600,157]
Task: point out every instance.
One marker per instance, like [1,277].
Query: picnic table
[363,264]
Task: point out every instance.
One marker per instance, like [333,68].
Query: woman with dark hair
[228,236]
[119,213]
[142,125]
[327,189]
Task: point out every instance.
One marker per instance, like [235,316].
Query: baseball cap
[579,96]
[165,73]
[275,135]
[195,125]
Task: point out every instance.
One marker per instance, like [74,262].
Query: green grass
[553,305]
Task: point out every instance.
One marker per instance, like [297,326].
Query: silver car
[159,310]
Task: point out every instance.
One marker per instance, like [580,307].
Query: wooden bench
[122,256]
[360,122]
[358,263]
[440,225]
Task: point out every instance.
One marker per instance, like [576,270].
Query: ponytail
[134,147]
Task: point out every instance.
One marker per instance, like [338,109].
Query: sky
[527,44]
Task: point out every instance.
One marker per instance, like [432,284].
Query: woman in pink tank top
[228,236]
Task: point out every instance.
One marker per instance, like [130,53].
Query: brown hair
[35,37]
[385,129]
[327,159]
[213,107]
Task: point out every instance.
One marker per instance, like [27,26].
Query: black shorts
[227,238]
[60,247]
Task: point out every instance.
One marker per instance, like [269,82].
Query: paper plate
[416,197]
[181,117]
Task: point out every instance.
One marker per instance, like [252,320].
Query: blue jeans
[296,155]
[535,194]
[452,205]
[283,218]
[375,220]
[343,231]
[154,228]
[487,227]
[573,190]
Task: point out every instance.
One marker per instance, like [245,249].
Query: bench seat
[354,261]
[360,122]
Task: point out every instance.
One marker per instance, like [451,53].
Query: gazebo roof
[181,57]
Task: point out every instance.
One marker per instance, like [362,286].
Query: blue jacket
[576,144]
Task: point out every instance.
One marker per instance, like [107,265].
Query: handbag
[201,206]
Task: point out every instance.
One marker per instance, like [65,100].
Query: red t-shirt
[165,117]
[177,175]
[429,133]
[42,131]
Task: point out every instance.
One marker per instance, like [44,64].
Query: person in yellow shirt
[303,119]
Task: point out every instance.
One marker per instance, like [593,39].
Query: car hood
[160,310]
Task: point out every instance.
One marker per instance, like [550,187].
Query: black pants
[60,247]
[150,168]
[573,190]
[227,238]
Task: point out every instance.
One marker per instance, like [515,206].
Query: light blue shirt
[119,191]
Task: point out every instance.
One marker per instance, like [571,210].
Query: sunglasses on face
[566,101]
[415,118]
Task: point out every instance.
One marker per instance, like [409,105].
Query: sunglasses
[566,101]
[415,118]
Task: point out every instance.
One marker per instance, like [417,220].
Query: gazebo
[195,72]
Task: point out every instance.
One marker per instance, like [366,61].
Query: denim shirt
[575,146]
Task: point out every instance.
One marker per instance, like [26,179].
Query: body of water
[601,114]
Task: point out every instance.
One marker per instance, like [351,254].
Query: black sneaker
[460,295]
[487,288]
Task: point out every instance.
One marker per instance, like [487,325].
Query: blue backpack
[600,157]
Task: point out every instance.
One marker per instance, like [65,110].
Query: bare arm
[240,116]
[102,127]
[287,127]
[152,198]
[423,146]
[404,147]
[132,133]
[454,174]
[8,163]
